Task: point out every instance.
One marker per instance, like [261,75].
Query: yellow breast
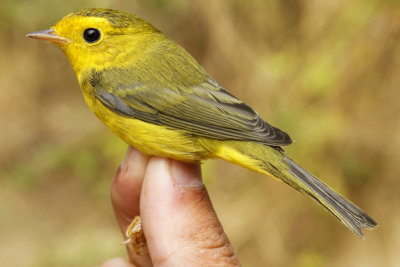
[149,138]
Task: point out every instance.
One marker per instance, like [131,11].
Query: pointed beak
[48,35]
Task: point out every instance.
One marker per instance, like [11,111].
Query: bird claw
[135,237]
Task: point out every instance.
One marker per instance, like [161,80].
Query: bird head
[95,38]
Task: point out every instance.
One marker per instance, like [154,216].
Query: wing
[205,109]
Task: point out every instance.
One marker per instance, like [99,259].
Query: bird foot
[135,237]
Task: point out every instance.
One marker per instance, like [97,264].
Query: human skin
[178,220]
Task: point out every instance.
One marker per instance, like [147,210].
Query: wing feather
[206,109]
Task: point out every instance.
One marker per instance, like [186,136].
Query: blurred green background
[327,72]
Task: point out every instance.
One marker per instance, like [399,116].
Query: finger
[125,196]
[178,219]
[126,186]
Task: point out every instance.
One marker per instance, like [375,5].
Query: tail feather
[271,161]
[348,213]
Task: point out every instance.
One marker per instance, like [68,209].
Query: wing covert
[206,109]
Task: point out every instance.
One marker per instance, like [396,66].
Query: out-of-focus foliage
[327,72]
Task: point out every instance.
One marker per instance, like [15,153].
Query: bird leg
[135,237]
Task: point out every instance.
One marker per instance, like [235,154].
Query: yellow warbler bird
[151,93]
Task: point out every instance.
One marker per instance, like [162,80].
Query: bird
[157,98]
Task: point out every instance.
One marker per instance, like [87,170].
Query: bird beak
[48,35]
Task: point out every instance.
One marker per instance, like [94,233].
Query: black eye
[91,35]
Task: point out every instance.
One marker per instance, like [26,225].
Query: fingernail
[125,162]
[186,175]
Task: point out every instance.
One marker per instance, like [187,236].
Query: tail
[348,213]
[272,162]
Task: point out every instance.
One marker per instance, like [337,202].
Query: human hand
[178,219]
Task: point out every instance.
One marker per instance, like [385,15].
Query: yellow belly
[149,138]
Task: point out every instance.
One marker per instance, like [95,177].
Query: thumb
[178,219]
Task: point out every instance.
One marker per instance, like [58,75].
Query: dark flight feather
[205,110]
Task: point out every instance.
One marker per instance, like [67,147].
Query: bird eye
[91,35]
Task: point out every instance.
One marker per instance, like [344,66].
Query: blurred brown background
[327,72]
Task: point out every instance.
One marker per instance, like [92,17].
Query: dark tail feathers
[348,213]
